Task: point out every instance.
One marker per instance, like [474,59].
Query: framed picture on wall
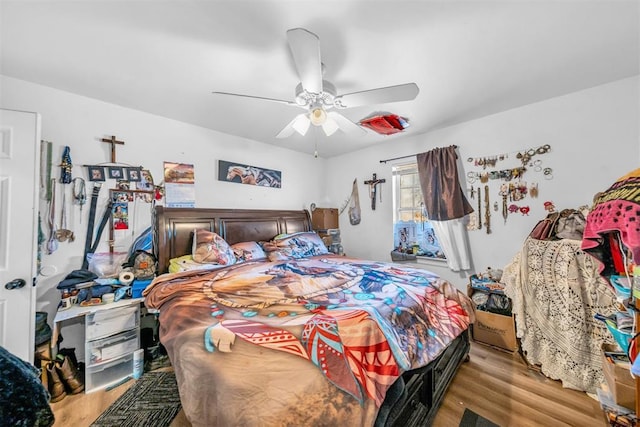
[246,174]
[96,173]
[115,172]
[133,174]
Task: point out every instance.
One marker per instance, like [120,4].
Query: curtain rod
[406,157]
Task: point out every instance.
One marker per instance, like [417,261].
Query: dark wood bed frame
[412,400]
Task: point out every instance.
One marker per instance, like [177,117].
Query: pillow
[247,251]
[294,246]
[186,263]
[210,248]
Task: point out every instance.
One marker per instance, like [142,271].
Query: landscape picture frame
[247,174]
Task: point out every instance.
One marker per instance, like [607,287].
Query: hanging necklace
[487,210]
[79,194]
[504,191]
[52,243]
[63,233]
[479,209]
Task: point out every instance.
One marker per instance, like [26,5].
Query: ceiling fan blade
[299,124]
[305,49]
[346,125]
[404,92]
[280,101]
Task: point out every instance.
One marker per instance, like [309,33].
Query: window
[412,231]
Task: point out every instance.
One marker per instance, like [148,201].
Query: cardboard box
[618,377]
[494,329]
[324,218]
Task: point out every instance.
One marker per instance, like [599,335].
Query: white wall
[593,134]
[594,139]
[150,140]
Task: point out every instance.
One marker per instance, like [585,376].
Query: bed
[315,340]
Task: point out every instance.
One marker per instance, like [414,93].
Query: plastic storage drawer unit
[105,374]
[106,349]
[109,322]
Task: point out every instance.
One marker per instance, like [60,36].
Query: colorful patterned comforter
[315,341]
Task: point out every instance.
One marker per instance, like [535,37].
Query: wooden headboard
[173,227]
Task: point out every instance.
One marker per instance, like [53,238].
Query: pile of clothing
[23,399]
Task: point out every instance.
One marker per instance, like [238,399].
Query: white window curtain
[452,236]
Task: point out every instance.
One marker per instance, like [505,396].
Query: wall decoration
[373,189]
[65,166]
[146,184]
[115,172]
[120,214]
[245,174]
[122,197]
[121,184]
[133,174]
[179,185]
[96,173]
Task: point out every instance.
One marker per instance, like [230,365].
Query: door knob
[15,284]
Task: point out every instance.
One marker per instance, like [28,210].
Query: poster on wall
[179,185]
[120,212]
[245,174]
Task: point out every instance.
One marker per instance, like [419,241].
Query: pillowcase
[294,246]
[186,263]
[247,251]
[210,248]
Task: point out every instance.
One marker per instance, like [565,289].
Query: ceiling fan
[319,96]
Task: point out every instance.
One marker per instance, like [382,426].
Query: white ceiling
[469,58]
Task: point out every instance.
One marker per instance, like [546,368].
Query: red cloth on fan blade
[385,125]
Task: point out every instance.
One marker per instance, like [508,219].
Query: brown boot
[70,376]
[55,386]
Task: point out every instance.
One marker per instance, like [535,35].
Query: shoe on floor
[55,385]
[69,375]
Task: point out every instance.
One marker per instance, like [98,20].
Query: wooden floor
[499,387]
[494,384]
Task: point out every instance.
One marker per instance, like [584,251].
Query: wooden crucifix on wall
[373,189]
[113,141]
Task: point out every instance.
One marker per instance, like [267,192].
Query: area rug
[153,401]
[471,419]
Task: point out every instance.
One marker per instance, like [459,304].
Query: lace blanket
[556,291]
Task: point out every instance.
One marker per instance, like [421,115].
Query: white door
[19,172]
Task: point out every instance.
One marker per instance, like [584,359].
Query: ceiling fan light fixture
[330,127]
[318,116]
[301,124]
